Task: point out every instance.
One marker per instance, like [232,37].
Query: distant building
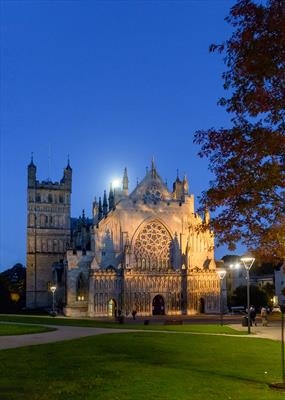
[279,285]
[236,275]
[12,289]
[262,280]
[141,251]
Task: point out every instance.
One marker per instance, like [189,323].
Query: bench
[173,322]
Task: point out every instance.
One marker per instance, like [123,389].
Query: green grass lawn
[7,329]
[31,319]
[143,365]
[211,328]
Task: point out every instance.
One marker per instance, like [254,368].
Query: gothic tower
[48,235]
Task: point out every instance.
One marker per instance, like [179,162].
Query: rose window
[152,246]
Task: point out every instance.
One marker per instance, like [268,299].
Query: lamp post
[282,309]
[53,289]
[248,261]
[222,274]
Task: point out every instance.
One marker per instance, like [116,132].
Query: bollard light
[53,289]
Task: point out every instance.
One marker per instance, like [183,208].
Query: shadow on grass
[143,365]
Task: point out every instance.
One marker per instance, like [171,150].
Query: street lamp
[53,289]
[235,266]
[281,385]
[248,261]
[282,309]
[222,274]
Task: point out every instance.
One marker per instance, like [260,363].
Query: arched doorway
[202,305]
[158,307]
[112,308]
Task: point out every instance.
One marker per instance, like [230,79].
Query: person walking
[252,314]
[263,314]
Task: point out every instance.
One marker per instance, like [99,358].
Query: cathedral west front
[141,251]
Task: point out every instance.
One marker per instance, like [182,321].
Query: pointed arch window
[81,288]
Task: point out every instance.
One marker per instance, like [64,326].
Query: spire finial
[125,181]
[153,169]
[152,163]
[68,167]
[32,160]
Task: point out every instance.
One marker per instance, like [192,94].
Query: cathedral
[142,251]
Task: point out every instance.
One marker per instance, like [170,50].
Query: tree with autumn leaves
[247,193]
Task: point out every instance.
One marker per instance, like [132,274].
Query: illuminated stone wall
[148,256]
[48,236]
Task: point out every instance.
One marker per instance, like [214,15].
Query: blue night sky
[110,84]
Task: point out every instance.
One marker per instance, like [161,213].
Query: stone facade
[147,255]
[141,251]
[48,235]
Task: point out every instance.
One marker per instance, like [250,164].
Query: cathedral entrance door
[112,308]
[201,305]
[158,307]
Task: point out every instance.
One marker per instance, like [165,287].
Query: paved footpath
[273,332]
[61,333]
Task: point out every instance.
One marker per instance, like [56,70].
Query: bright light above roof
[116,183]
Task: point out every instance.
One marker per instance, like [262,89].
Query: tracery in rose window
[152,247]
